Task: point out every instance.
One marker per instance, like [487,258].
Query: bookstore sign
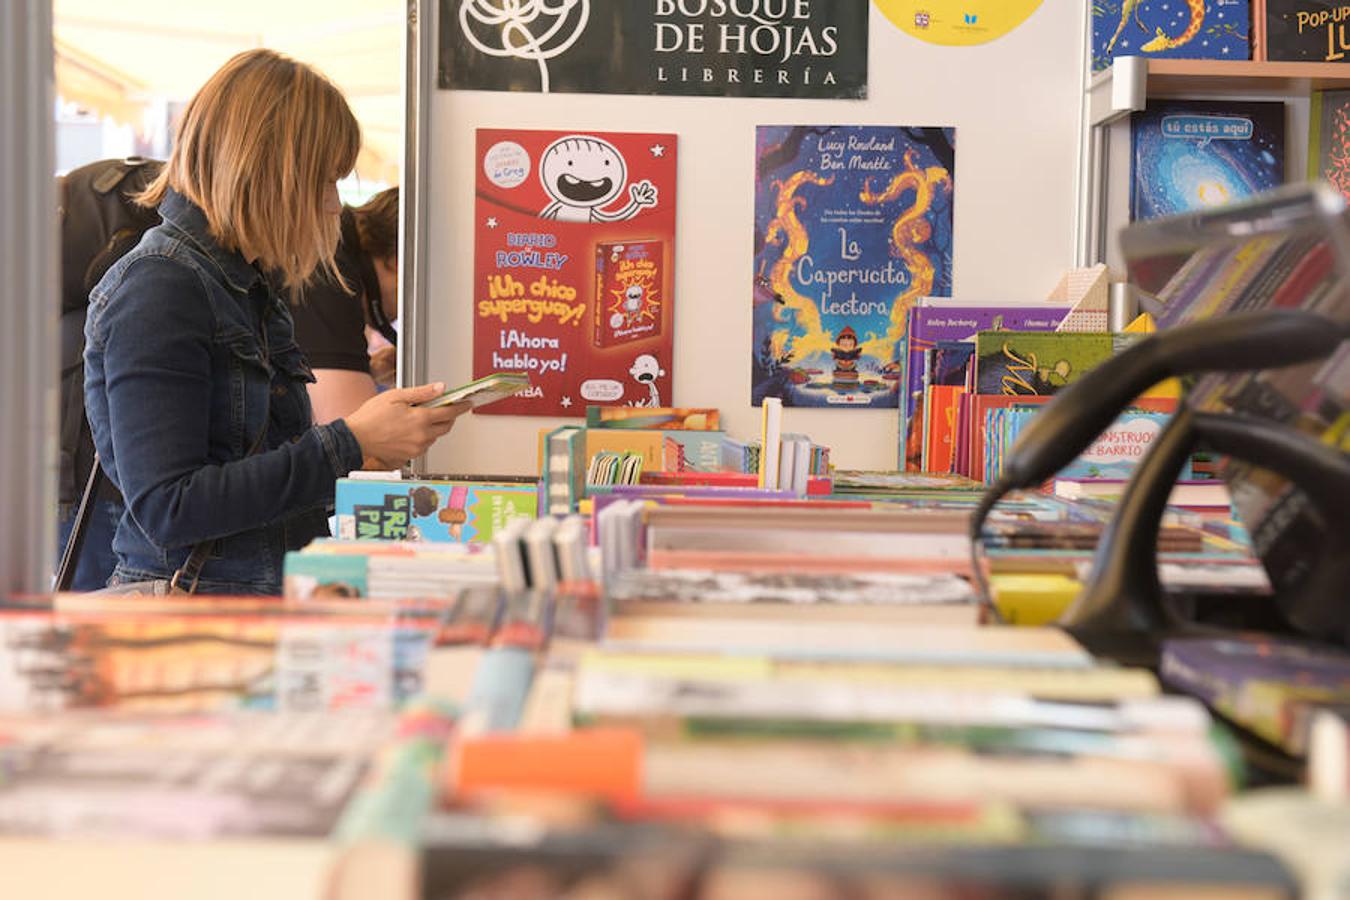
[720,48]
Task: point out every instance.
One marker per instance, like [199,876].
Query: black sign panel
[713,48]
[1307,30]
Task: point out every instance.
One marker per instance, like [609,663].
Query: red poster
[574,268]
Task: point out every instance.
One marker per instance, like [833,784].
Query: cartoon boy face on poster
[574,267]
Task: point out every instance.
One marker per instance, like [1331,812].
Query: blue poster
[852,225]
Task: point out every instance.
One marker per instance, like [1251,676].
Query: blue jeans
[96,560]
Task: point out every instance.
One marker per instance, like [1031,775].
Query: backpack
[99,223]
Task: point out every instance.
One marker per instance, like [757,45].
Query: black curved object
[1123,592]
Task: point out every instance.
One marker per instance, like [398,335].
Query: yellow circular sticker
[957,23]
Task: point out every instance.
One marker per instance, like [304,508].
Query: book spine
[1315,107]
[598,312]
[1258,30]
[500,687]
[771,432]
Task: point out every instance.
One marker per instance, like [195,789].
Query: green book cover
[313,575]
[1036,363]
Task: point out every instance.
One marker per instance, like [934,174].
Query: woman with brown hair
[194,385]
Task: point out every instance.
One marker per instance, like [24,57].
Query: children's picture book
[312,576]
[1121,447]
[1304,31]
[663,418]
[1329,139]
[853,224]
[1035,363]
[1170,29]
[1195,154]
[1257,681]
[419,510]
[574,267]
[485,390]
[934,319]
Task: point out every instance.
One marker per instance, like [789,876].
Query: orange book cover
[942,403]
[604,762]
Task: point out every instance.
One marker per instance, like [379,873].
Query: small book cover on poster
[1194,154]
[1329,139]
[628,299]
[1169,29]
[1306,31]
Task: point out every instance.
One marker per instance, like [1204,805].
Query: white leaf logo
[506,28]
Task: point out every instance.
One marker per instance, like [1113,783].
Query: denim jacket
[191,364]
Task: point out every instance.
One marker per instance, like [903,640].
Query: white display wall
[1014,103]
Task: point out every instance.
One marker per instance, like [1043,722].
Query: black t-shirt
[330,322]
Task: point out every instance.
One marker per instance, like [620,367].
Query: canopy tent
[115,58]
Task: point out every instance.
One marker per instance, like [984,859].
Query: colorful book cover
[211,662]
[663,417]
[658,452]
[1329,139]
[446,511]
[1258,682]
[1306,31]
[1195,154]
[310,576]
[1035,363]
[943,400]
[628,287]
[1289,533]
[929,323]
[574,267]
[1169,29]
[1119,449]
[852,225]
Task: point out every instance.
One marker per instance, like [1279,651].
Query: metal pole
[418,72]
[28,311]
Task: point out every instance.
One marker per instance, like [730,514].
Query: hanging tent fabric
[114,59]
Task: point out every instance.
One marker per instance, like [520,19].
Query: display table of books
[701,697]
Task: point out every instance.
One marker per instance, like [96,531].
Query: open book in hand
[481,391]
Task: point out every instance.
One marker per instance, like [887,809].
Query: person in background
[100,221]
[334,318]
[194,386]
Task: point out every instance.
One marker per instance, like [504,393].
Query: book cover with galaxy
[1169,29]
[1329,140]
[1195,154]
[628,286]
[853,224]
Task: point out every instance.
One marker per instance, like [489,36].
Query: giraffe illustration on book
[1128,8]
[1162,42]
